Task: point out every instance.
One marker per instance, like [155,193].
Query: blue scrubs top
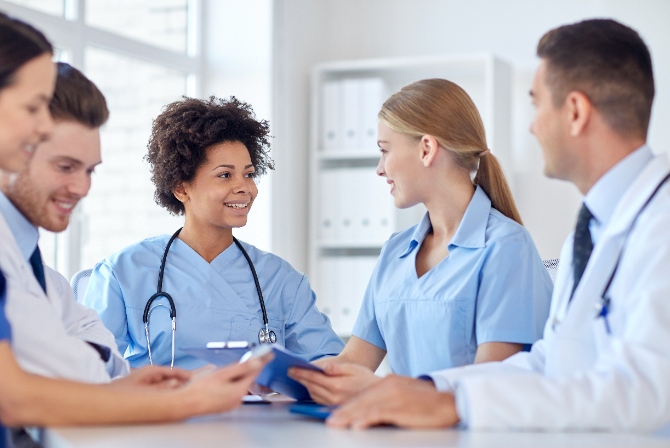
[4,335]
[214,302]
[492,287]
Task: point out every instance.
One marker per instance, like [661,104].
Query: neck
[208,243]
[602,157]
[447,206]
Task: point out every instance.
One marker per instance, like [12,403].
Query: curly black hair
[182,133]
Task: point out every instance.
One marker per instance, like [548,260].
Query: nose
[380,168]
[532,127]
[45,124]
[244,185]
[79,185]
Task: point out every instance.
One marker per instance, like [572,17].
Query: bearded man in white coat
[53,335]
[604,360]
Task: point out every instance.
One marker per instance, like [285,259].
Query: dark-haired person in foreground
[604,361]
[206,156]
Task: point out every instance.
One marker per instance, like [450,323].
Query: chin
[55,226]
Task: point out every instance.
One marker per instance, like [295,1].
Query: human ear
[429,148]
[579,110]
[180,193]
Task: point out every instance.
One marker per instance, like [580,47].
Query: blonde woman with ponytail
[465,285]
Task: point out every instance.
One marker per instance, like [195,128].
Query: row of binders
[349,114]
[342,285]
[355,208]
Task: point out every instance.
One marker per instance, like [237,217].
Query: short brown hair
[182,133]
[609,63]
[76,98]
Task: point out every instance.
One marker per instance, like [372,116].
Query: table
[271,425]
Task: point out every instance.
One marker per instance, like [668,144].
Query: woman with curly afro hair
[205,157]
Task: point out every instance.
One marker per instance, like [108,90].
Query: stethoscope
[265,335]
[603,305]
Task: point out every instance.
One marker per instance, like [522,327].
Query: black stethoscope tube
[265,335]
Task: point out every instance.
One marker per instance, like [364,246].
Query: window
[142,54]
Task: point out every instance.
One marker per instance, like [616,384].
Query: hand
[158,377]
[222,389]
[399,401]
[340,382]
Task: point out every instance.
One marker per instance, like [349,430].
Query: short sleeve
[366,327]
[104,295]
[514,293]
[5,331]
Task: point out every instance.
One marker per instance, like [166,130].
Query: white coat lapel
[606,253]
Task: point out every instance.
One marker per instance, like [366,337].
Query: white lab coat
[49,332]
[579,376]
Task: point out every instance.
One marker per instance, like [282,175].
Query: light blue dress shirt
[214,302]
[492,287]
[602,198]
[25,233]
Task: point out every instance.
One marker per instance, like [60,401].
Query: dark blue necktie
[582,247]
[38,268]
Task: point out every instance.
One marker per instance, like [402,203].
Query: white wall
[237,49]
[310,31]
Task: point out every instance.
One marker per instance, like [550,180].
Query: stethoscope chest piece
[267,336]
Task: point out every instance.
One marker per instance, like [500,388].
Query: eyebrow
[232,167]
[72,160]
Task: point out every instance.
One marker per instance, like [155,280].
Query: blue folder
[274,375]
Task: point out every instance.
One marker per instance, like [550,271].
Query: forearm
[33,400]
[357,351]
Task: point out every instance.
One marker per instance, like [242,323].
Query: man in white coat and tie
[604,360]
[53,335]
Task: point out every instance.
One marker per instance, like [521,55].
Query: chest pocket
[246,328]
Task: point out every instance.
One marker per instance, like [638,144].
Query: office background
[145,53]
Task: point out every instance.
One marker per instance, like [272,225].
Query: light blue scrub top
[492,287]
[214,302]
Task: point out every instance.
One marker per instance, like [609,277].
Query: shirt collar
[25,234]
[602,198]
[471,231]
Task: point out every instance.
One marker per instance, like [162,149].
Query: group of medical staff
[463,287]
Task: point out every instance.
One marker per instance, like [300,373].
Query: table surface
[268,425]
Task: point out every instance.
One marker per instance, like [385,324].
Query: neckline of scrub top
[25,234]
[603,197]
[214,273]
[471,231]
[219,263]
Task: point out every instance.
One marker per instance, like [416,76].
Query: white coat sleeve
[84,323]
[523,362]
[628,385]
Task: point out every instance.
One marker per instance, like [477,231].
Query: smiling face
[57,177]
[400,164]
[24,112]
[221,194]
